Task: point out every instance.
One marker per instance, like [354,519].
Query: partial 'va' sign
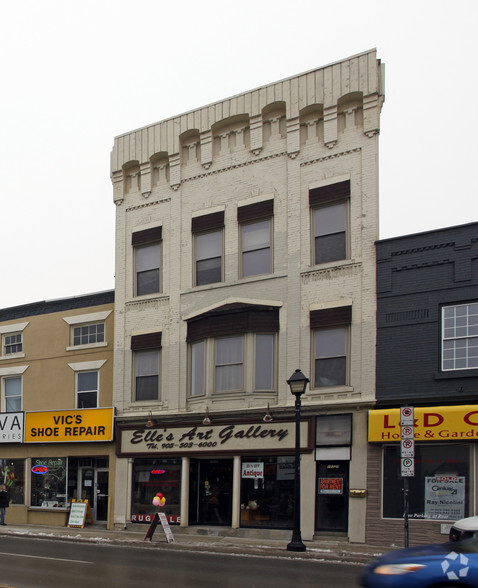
[11,427]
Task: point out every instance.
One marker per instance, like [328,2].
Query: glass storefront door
[94,488]
[332,496]
[210,491]
[102,495]
[86,482]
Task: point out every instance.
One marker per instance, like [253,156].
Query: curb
[316,551]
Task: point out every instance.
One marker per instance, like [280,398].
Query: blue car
[427,566]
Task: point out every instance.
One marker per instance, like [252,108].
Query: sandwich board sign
[166,527]
[79,512]
[160,517]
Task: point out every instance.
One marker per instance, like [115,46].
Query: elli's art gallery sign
[60,426]
[438,423]
[201,439]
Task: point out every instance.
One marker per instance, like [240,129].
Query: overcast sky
[76,74]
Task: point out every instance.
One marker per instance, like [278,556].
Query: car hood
[436,549]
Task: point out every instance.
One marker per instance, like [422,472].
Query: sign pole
[406,509]
[407,460]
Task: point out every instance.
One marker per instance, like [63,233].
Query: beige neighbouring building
[245,236]
[57,419]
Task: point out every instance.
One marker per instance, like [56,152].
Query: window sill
[136,300]
[260,277]
[331,265]
[145,404]
[48,508]
[452,375]
[330,390]
[233,394]
[12,356]
[228,284]
[89,346]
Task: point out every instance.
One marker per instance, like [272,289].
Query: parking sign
[406,416]
[408,467]
[407,448]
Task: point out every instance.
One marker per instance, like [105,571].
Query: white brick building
[245,249]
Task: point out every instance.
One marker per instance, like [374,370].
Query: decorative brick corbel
[145,183]
[175,171]
[330,126]
[206,149]
[293,137]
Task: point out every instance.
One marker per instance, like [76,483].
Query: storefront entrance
[88,478]
[94,485]
[210,492]
[332,496]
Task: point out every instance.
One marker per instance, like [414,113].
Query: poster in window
[253,470]
[445,497]
[331,485]
[285,468]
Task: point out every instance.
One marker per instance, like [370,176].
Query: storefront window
[12,474]
[151,476]
[267,492]
[48,476]
[438,490]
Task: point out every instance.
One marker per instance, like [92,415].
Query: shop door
[102,495]
[94,488]
[86,482]
[332,496]
[210,492]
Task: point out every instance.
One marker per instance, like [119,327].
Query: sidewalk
[206,539]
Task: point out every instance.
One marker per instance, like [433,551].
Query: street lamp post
[297,383]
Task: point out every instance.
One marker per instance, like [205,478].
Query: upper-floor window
[242,360]
[89,334]
[11,340]
[330,356]
[208,248]
[11,381]
[329,233]
[87,330]
[238,362]
[460,337]
[12,343]
[87,383]
[147,258]
[229,364]
[12,391]
[87,389]
[255,222]
[329,205]
[265,361]
[147,366]
[330,344]
[208,257]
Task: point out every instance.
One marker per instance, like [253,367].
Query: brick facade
[418,276]
[276,143]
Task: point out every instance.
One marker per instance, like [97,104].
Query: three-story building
[245,249]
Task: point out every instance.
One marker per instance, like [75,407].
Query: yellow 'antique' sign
[436,423]
[60,426]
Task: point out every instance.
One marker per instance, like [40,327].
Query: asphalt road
[40,563]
